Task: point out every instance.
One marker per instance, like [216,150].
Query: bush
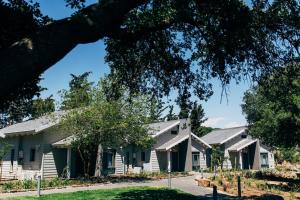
[291,155]
[7,186]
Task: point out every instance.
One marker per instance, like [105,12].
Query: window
[264,160]
[174,132]
[110,160]
[32,155]
[143,156]
[244,136]
[196,163]
[12,157]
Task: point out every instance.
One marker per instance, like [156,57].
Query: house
[240,149]
[39,147]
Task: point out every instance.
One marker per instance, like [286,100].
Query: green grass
[132,193]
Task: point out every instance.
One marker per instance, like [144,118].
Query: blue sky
[90,57]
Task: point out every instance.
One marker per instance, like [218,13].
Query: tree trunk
[28,58]
[99,162]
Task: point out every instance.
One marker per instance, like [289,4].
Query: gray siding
[154,161]
[197,147]
[49,168]
[119,162]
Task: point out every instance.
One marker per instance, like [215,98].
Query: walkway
[186,184]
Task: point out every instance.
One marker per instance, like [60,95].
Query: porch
[245,154]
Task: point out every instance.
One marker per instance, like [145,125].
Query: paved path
[186,184]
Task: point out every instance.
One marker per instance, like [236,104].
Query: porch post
[69,162]
[169,167]
[241,159]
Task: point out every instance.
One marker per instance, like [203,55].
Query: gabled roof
[241,144]
[161,127]
[173,142]
[32,126]
[221,136]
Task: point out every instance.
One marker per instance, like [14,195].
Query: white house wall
[10,171]
[197,147]
[229,162]
[264,149]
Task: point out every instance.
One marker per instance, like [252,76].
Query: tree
[197,119]
[156,109]
[184,104]
[41,106]
[151,44]
[272,108]
[79,93]
[171,116]
[107,124]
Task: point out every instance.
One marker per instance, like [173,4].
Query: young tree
[272,108]
[221,39]
[108,123]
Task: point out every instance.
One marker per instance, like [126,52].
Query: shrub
[29,184]
[7,186]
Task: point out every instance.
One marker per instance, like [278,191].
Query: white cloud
[214,122]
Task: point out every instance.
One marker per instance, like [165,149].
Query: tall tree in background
[41,106]
[272,108]
[156,109]
[184,103]
[226,39]
[171,115]
[197,117]
[79,92]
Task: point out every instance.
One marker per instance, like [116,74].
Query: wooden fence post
[239,186]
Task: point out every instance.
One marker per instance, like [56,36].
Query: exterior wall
[45,161]
[229,163]
[10,169]
[197,147]
[265,149]
[119,162]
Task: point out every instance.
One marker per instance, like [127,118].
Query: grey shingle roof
[221,135]
[174,141]
[32,126]
[241,144]
[157,128]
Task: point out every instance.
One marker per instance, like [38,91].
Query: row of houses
[38,147]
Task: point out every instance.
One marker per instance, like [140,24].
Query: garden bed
[56,183]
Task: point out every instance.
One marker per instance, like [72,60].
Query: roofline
[20,133]
[177,142]
[165,129]
[247,144]
[195,136]
[233,136]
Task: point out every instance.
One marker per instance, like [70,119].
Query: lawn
[132,193]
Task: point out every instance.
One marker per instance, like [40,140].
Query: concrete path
[186,184]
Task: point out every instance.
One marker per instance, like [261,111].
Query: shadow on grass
[154,194]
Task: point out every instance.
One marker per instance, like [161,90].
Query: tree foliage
[79,93]
[152,45]
[197,117]
[272,108]
[111,123]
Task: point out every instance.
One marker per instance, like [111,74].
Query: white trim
[245,145]
[195,136]
[177,142]
[166,129]
[233,136]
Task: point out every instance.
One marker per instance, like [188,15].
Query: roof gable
[221,136]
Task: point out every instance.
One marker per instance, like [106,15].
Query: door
[175,161]
[246,161]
